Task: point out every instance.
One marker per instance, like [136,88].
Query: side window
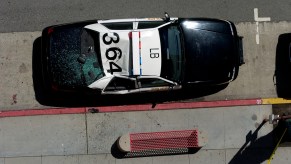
[149,24]
[118,84]
[153,82]
[119,25]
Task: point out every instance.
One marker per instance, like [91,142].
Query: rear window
[64,51]
[73,59]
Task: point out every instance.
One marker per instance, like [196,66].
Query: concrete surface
[43,135]
[23,160]
[280,155]
[234,135]
[203,156]
[72,159]
[16,70]
[255,77]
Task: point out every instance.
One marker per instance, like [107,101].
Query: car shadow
[257,150]
[79,100]
[38,86]
[282,77]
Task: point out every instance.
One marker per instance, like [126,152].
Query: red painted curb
[128,108]
[49,111]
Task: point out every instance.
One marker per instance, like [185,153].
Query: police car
[123,56]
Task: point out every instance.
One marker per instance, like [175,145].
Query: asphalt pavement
[34,15]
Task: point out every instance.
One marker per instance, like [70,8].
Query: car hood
[210,54]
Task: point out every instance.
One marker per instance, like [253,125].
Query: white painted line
[135,53]
[258,34]
[256,13]
[257,19]
[262,19]
[266,19]
[257,38]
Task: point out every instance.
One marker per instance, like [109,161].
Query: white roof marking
[135,53]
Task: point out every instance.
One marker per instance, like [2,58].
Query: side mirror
[167,17]
[173,86]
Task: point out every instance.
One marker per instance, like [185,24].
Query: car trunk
[210,57]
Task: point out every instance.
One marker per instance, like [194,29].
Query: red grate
[164,140]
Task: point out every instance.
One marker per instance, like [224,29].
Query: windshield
[90,60]
[172,56]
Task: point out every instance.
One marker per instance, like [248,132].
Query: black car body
[140,55]
[282,78]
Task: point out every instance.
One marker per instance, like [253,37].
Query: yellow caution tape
[273,153]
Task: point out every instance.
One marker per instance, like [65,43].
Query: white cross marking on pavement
[258,19]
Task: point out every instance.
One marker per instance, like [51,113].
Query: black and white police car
[123,56]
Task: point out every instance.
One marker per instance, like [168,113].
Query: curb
[275,101]
[144,107]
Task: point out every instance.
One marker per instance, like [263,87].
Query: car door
[149,23]
[146,24]
[155,84]
[132,24]
[126,25]
[121,85]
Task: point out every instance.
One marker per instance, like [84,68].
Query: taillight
[54,87]
[130,35]
[50,30]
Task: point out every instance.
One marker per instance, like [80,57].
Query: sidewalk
[234,135]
